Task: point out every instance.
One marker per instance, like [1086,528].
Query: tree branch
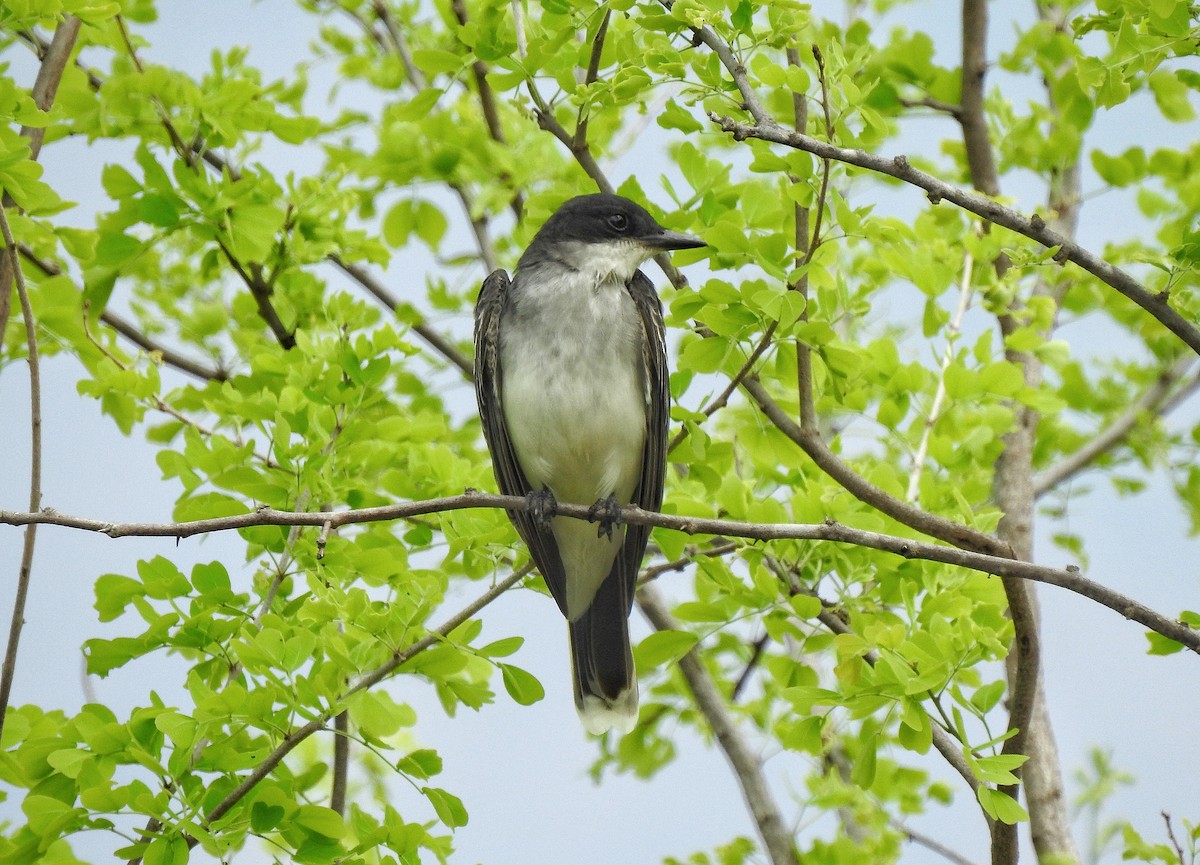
[21,595]
[487,102]
[809,440]
[1033,227]
[43,92]
[981,161]
[1068,578]
[776,839]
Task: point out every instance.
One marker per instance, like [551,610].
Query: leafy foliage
[245,230]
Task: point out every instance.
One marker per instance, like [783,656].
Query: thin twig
[487,102]
[809,439]
[381,293]
[341,762]
[722,399]
[35,470]
[155,349]
[593,71]
[931,844]
[939,397]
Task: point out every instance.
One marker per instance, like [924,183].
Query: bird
[571,380]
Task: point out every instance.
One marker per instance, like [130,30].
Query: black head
[604,218]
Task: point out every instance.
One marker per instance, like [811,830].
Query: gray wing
[648,494]
[489,394]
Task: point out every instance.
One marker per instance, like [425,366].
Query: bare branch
[341,762]
[1067,578]
[43,92]
[1033,227]
[35,469]
[45,86]
[776,839]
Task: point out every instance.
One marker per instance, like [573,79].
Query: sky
[522,772]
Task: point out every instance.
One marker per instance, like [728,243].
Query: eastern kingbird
[571,380]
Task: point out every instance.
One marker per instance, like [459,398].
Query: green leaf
[862,773]
[664,647]
[1000,806]
[1160,645]
[265,817]
[522,686]
[322,820]
[114,593]
[704,355]
[423,763]
[502,648]
[449,807]
[1172,95]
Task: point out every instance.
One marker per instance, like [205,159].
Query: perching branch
[777,841]
[1002,566]
[1033,227]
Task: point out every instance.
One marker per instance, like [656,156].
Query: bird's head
[605,235]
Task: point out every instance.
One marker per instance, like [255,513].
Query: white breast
[574,403]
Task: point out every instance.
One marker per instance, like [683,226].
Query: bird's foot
[541,506]
[608,512]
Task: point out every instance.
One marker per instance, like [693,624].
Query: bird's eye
[618,221]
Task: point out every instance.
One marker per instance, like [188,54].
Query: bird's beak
[673,240]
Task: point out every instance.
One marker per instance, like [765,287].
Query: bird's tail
[606,693]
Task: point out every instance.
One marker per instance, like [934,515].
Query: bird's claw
[608,512]
[541,506]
